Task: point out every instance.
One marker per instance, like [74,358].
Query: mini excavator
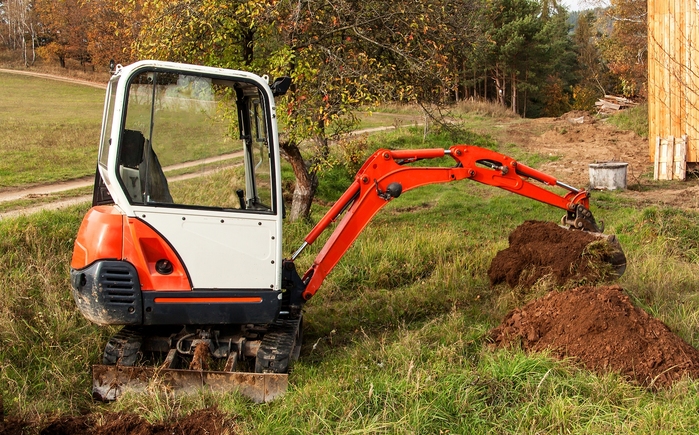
[188,259]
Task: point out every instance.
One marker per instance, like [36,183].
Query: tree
[63,30]
[344,54]
[112,28]
[526,46]
[593,73]
[19,19]
[341,54]
[626,48]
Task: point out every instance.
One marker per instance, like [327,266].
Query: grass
[44,342]
[50,130]
[382,119]
[396,337]
[634,119]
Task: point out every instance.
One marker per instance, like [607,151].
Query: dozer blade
[109,382]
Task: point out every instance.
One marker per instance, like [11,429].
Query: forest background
[531,56]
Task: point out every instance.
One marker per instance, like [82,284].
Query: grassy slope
[634,119]
[49,130]
[395,339]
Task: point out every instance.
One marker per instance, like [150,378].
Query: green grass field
[49,130]
[395,340]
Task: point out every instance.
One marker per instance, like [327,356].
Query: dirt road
[54,77]
[46,189]
[573,141]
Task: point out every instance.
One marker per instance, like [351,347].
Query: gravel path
[54,77]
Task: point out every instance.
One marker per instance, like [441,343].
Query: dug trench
[204,421]
[595,325]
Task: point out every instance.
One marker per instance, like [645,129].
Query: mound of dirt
[575,145]
[204,421]
[12,426]
[599,327]
[577,117]
[538,249]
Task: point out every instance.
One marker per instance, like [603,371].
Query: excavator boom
[388,173]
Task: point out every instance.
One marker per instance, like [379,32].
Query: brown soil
[200,359]
[575,145]
[539,249]
[204,421]
[600,328]
[12,426]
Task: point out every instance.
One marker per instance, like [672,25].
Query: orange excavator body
[204,274]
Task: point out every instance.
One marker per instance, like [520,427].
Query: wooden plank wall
[673,73]
[670,159]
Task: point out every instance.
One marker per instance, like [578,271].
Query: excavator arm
[387,174]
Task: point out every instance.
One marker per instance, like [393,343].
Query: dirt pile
[12,426]
[538,249]
[575,145]
[204,421]
[601,329]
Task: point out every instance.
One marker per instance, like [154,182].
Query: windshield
[195,141]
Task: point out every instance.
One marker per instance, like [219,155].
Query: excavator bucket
[109,382]
[580,218]
[618,259]
[614,254]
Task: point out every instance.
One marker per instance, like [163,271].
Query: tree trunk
[477,91]
[513,86]
[24,51]
[456,88]
[248,46]
[499,86]
[485,86]
[524,110]
[306,182]
[31,25]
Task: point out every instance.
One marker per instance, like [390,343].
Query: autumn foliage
[345,54]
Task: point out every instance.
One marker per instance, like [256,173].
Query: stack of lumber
[611,103]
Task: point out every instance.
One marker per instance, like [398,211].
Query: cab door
[193,155]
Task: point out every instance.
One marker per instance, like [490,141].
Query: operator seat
[130,158]
[133,169]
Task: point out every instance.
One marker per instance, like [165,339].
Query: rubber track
[274,355]
[123,348]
